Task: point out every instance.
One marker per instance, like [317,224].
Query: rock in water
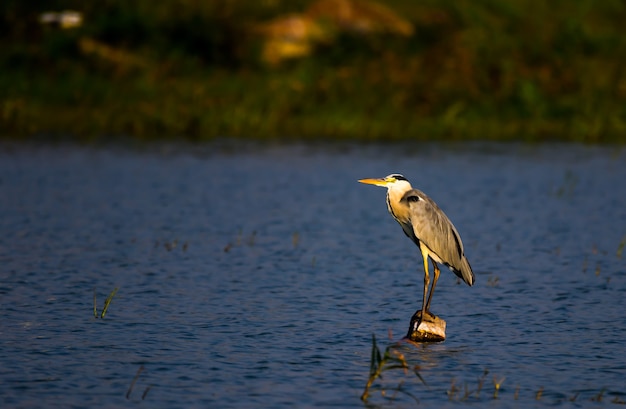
[431,329]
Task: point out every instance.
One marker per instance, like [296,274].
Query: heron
[429,228]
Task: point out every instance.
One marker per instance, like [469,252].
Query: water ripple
[256,279]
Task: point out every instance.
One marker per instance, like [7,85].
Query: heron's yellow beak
[377,182]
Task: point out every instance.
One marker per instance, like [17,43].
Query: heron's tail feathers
[465,272]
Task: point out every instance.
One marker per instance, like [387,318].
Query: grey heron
[429,228]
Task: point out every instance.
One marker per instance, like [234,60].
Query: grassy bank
[516,70]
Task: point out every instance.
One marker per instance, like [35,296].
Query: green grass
[515,70]
[107,303]
[391,359]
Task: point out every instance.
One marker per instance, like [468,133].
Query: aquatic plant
[453,392]
[171,245]
[107,302]
[250,241]
[493,280]
[568,186]
[391,359]
[134,381]
[496,386]
[539,393]
[620,247]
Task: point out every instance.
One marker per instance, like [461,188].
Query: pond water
[256,277]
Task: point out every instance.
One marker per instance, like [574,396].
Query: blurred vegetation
[491,70]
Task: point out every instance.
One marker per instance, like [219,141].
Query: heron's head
[394,181]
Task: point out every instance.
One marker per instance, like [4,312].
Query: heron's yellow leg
[432,289]
[426,279]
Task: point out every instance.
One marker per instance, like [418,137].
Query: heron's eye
[413,198]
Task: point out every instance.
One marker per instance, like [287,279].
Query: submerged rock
[430,329]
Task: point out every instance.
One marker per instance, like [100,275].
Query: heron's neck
[398,212]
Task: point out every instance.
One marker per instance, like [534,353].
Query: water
[255,277]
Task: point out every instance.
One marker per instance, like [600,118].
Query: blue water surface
[256,276]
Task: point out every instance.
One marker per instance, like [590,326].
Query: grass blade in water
[107,302]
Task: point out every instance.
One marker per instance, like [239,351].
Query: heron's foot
[420,316]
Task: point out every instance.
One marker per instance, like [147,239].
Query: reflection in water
[257,278]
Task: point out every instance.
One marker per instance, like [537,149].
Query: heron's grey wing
[432,227]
